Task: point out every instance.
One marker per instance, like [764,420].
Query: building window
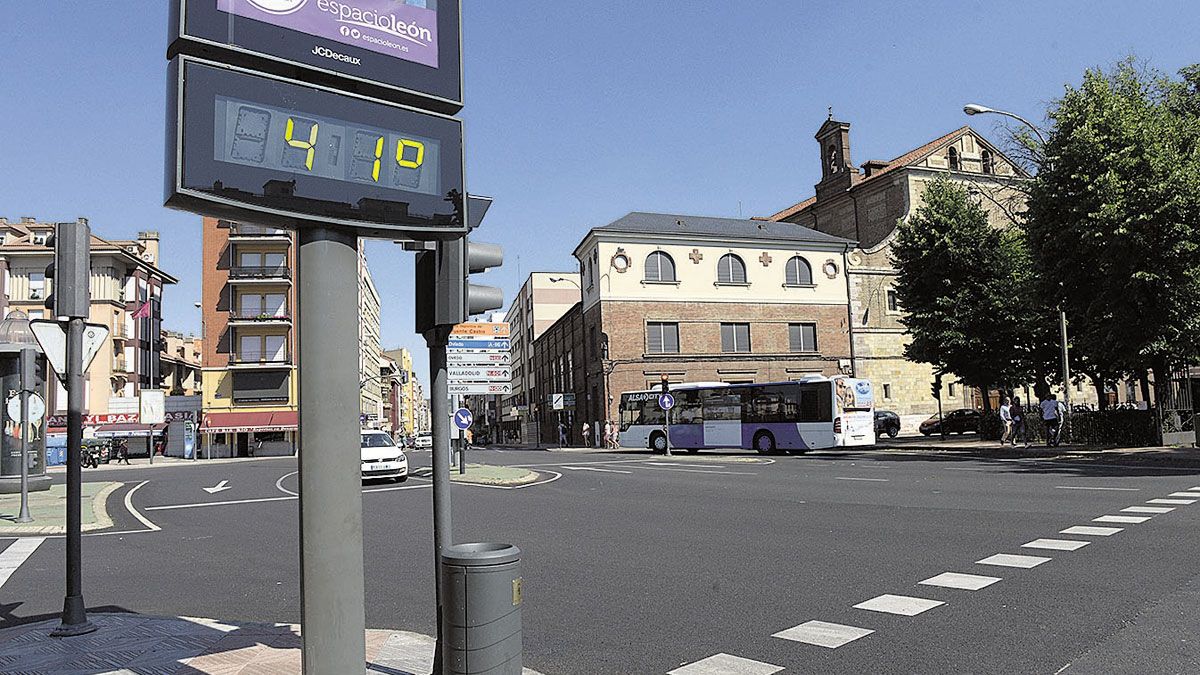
[802,337]
[798,272]
[660,267]
[887,391]
[735,337]
[37,286]
[951,390]
[662,337]
[731,270]
[952,159]
[989,162]
[893,302]
[263,348]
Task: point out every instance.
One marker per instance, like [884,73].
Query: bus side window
[687,407]
[816,402]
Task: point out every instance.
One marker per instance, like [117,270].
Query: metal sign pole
[332,602]
[74,614]
[439,399]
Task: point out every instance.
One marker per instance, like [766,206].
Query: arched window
[660,267]
[952,158]
[798,272]
[731,270]
[989,162]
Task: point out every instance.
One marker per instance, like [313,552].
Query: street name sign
[478,358]
[481,388]
[52,338]
[481,374]
[501,344]
[480,329]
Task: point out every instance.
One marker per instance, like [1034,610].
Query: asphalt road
[641,564]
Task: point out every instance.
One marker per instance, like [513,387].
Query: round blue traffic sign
[463,418]
[666,401]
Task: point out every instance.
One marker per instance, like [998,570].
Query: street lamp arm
[976,109]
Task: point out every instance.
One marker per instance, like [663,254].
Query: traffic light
[70,272]
[444,295]
[481,257]
[936,387]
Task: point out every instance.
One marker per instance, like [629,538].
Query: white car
[423,441]
[382,458]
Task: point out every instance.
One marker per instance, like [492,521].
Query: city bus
[811,413]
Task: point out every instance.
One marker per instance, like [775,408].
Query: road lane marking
[965,582]
[1149,509]
[279,484]
[872,480]
[594,468]
[1185,495]
[219,487]
[726,664]
[564,462]
[1177,502]
[1081,487]
[1056,544]
[689,464]
[823,634]
[1010,560]
[898,604]
[129,507]
[16,554]
[1094,531]
[260,500]
[1133,520]
[727,473]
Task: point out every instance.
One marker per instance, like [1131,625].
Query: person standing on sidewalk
[587,435]
[1006,420]
[1017,413]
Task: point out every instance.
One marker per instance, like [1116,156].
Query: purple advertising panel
[403,29]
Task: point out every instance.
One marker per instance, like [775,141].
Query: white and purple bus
[807,414]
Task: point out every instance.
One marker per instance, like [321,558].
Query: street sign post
[463,419]
[666,401]
[52,338]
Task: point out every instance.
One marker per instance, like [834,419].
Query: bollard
[481,609]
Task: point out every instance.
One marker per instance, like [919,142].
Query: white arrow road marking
[592,468]
[219,487]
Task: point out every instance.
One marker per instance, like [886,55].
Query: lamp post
[976,109]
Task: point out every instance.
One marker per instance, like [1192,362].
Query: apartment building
[126,296]
[180,357]
[405,388]
[369,351]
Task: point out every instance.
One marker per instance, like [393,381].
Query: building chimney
[149,240]
[28,219]
[873,166]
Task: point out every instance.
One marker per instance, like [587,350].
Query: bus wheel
[658,442]
[764,443]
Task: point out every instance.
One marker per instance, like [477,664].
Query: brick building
[704,300]
[558,363]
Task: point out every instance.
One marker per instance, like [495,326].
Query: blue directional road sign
[666,401]
[463,419]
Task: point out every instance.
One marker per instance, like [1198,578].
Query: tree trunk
[1145,382]
[1101,396]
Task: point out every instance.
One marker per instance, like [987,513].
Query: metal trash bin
[481,609]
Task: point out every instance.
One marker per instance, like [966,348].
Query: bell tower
[838,173]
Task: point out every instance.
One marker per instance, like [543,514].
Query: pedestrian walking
[587,435]
[1006,420]
[122,448]
[1017,413]
[1052,416]
[610,434]
[562,435]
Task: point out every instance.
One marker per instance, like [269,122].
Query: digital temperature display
[262,148]
[303,143]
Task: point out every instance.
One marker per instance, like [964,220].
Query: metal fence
[1100,428]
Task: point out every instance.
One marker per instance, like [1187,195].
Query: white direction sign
[483,358]
[36,407]
[153,406]
[495,388]
[481,374]
[52,337]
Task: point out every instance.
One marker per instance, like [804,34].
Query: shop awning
[128,430]
[239,422]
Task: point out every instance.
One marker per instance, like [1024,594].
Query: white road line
[1185,495]
[129,507]
[564,462]
[1094,531]
[1177,502]
[1080,487]
[726,664]
[823,634]
[898,604]
[1149,509]
[966,582]
[872,480]
[1056,544]
[171,507]
[1195,488]
[16,554]
[595,468]
[398,487]
[279,484]
[689,464]
[1009,560]
[726,473]
[1132,520]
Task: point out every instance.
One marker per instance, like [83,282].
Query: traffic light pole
[74,614]
[332,596]
[439,413]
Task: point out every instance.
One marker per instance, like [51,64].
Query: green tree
[965,286]
[1113,219]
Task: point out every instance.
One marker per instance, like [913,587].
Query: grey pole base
[74,620]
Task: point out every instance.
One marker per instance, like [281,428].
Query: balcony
[243,317]
[121,332]
[257,359]
[119,366]
[244,232]
[276,274]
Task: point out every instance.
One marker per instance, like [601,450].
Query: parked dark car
[887,422]
[961,421]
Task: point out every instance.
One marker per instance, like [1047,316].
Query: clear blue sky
[578,112]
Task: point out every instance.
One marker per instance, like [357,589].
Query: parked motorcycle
[90,456]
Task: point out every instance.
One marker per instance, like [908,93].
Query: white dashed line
[1177,502]
[965,582]
[1009,560]
[1185,495]
[1149,509]
[1056,544]
[823,634]
[594,468]
[898,604]
[1095,531]
[725,664]
[1079,487]
[16,554]
[1132,520]
[872,480]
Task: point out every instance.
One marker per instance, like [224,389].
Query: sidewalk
[162,462]
[129,644]
[1180,457]
[48,508]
